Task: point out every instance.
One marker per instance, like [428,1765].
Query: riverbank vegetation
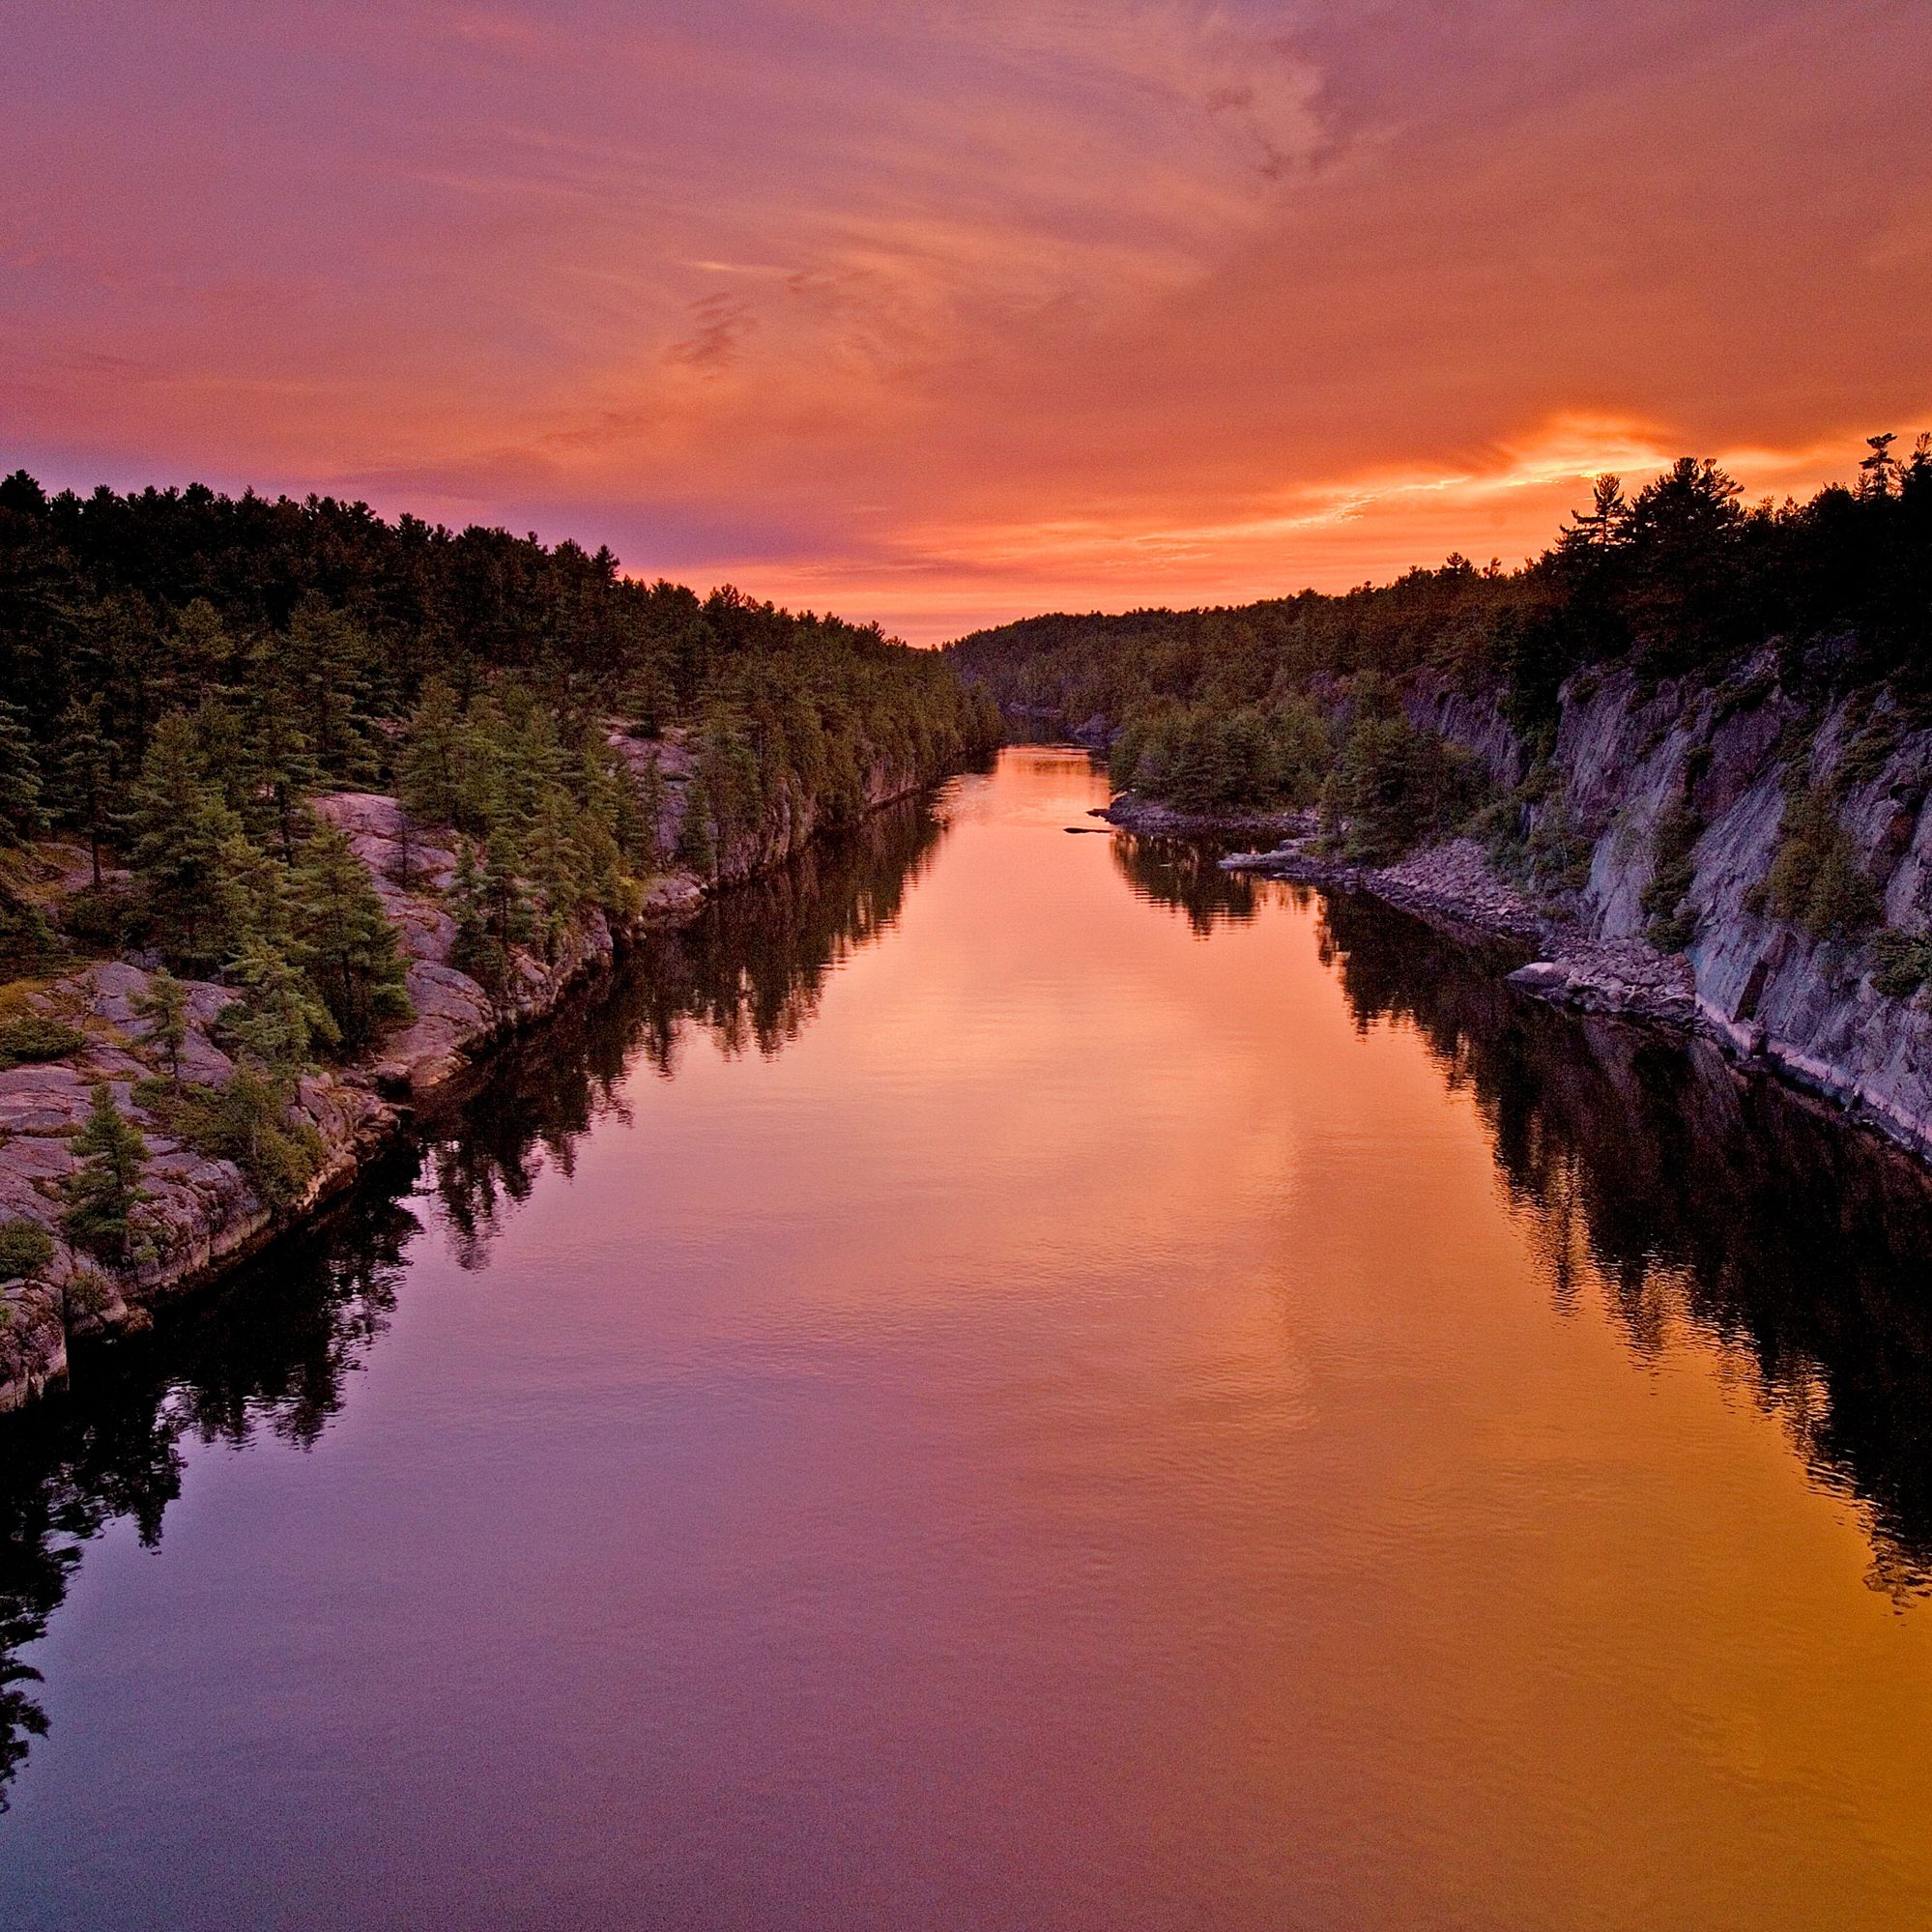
[241,741]
[180,671]
[1681,580]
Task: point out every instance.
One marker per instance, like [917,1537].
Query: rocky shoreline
[1456,888]
[202,1216]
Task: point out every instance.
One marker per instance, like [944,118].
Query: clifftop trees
[180,671]
[315,622]
[1683,579]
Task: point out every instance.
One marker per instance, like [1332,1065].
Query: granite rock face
[1452,883]
[1625,756]
[1766,989]
[1630,762]
[201,1211]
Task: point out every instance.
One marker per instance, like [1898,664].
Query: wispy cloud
[969,306]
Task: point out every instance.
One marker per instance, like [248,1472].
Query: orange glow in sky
[943,315]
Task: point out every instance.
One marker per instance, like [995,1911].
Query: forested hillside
[298,808]
[180,668]
[1258,704]
[1688,748]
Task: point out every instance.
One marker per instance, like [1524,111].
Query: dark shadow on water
[1697,1201]
[271,1350]
[1186,874]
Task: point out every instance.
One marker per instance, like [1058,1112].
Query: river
[1014,1380]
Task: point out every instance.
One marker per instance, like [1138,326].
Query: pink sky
[945,314]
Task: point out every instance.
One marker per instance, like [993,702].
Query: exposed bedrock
[1633,764]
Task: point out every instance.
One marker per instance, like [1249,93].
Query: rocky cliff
[1661,811]
[202,1212]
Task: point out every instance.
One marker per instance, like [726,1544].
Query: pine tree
[199,649]
[475,950]
[83,775]
[482,767]
[104,1192]
[19,777]
[1598,529]
[649,846]
[556,864]
[429,765]
[610,828]
[350,948]
[183,844]
[278,1021]
[279,767]
[251,1127]
[329,654]
[164,1006]
[504,890]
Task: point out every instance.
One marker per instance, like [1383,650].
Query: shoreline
[1453,887]
[204,1211]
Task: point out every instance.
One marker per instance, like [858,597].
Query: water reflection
[271,1351]
[748,975]
[1186,874]
[1690,1195]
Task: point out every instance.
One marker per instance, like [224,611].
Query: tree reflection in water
[1695,1201]
[273,1347]
[1186,874]
[270,1352]
[1698,1200]
[749,973]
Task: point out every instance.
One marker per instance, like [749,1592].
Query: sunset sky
[942,314]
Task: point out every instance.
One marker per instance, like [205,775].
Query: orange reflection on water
[1156,1402]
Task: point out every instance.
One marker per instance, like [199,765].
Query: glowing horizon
[943,317]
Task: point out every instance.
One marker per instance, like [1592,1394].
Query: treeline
[182,674]
[1682,578]
[277,646]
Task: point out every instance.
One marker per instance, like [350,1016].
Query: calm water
[1009,1380]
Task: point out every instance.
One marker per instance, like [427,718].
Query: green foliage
[279,1019]
[1672,924]
[245,1121]
[344,941]
[30,1038]
[1203,760]
[25,1248]
[430,764]
[1678,580]
[84,783]
[104,1192]
[185,840]
[87,1291]
[28,940]
[1394,788]
[492,911]
[1901,963]
[1815,881]
[1552,862]
[103,919]
[164,1006]
[19,777]
[309,623]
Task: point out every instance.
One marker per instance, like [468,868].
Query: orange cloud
[944,314]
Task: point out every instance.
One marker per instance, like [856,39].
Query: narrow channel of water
[1007,1380]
